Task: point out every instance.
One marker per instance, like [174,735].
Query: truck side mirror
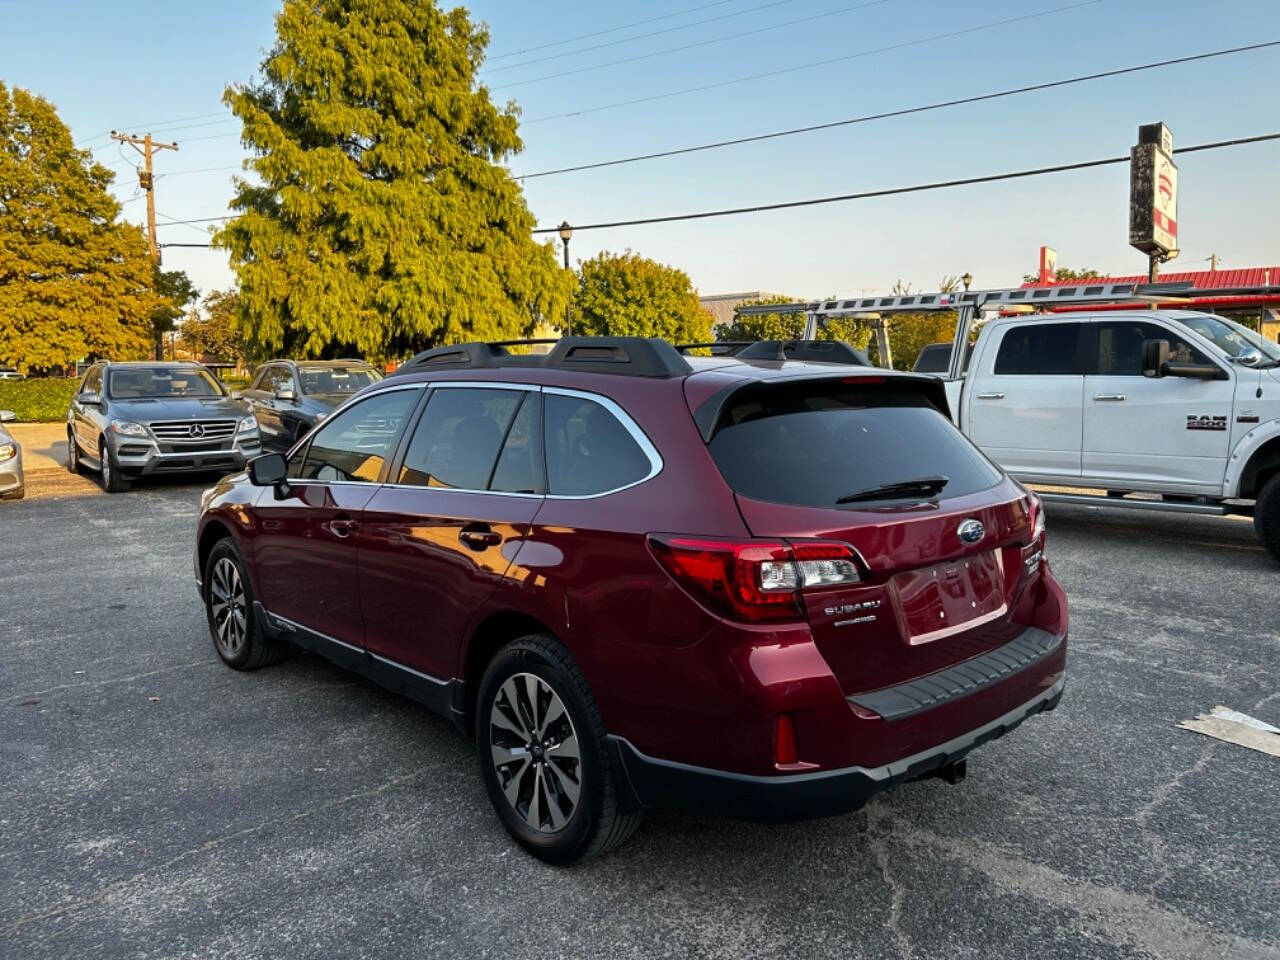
[1155,356]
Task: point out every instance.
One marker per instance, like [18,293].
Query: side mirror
[287,394]
[1155,357]
[268,470]
[1248,357]
[7,416]
[1195,371]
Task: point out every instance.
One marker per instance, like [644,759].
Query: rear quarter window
[810,445]
[589,450]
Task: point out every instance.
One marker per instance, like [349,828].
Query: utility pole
[146,179]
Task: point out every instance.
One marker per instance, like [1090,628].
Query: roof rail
[811,351]
[626,356]
[720,348]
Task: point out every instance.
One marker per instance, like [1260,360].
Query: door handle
[478,536]
[991,396]
[1108,396]
[342,527]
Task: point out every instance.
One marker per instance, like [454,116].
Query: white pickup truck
[1169,402]
[1162,409]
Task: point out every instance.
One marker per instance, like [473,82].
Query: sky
[163,66]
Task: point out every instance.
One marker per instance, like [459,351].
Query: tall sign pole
[1153,197]
[146,179]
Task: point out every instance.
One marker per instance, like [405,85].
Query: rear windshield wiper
[927,486]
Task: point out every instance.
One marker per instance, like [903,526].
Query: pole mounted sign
[1153,192]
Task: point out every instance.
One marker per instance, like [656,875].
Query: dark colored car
[130,420]
[935,358]
[290,397]
[767,589]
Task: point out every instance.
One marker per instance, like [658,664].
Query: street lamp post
[967,279]
[566,232]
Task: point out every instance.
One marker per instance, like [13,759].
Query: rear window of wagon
[811,444]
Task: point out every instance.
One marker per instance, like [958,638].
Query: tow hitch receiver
[952,773]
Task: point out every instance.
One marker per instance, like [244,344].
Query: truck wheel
[1266,516]
[542,754]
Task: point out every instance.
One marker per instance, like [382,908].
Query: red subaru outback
[765,588]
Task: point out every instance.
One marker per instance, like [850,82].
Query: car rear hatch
[912,547]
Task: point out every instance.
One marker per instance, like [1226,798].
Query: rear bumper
[664,783]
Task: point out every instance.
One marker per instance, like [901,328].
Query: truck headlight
[128,428]
[248,424]
[7,452]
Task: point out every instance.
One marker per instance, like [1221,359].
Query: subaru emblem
[971,531]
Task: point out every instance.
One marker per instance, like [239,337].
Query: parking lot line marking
[99,683]
[1231,726]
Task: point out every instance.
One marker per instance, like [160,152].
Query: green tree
[178,293]
[1064,275]
[74,281]
[216,329]
[790,326]
[625,294]
[380,220]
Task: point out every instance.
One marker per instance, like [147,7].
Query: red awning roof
[1200,279]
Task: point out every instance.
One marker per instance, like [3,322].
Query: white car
[12,482]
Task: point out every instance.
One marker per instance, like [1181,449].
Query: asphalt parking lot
[155,804]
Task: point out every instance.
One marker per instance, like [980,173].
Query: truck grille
[193,431]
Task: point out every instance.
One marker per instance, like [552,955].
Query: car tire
[560,808]
[1266,516]
[238,637]
[73,453]
[113,481]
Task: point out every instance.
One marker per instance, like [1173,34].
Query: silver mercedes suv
[129,420]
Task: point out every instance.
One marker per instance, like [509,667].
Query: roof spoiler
[708,414]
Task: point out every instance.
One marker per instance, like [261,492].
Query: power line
[700,43]
[905,111]
[174,223]
[153,124]
[817,63]
[916,188]
[886,192]
[638,36]
[601,33]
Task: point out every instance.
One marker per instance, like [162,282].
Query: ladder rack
[969,303]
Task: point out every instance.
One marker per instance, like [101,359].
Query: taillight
[825,564]
[754,580]
[1033,553]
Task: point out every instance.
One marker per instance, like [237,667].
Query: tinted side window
[92,381]
[355,444]
[457,440]
[1120,347]
[933,358]
[520,464]
[1041,348]
[588,450]
[277,378]
[258,378]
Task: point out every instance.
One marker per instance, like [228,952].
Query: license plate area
[948,598]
